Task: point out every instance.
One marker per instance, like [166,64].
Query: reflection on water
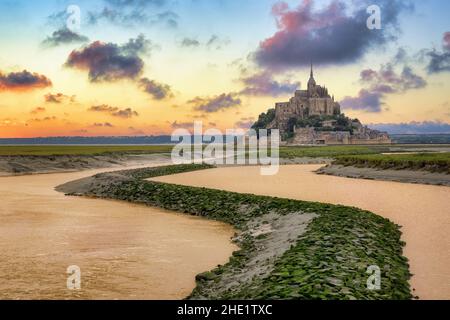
[422,211]
[125,251]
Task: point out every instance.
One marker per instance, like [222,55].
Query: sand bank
[286,251]
[24,165]
[421,210]
[407,176]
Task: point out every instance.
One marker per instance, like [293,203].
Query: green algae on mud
[328,151]
[432,162]
[328,261]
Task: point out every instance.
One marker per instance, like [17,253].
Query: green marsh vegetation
[285,152]
[329,261]
[329,151]
[433,162]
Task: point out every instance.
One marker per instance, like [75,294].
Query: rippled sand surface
[422,211]
[125,251]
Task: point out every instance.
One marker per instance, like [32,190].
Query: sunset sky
[147,67]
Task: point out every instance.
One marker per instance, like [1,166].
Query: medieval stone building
[317,102]
[306,103]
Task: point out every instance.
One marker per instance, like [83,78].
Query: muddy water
[124,251]
[422,211]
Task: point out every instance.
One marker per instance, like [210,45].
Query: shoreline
[420,210]
[402,176]
[125,251]
[31,165]
[321,250]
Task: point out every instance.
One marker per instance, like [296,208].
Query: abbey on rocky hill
[312,116]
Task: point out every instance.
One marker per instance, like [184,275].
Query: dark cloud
[24,80]
[103,108]
[125,113]
[136,3]
[332,35]
[439,61]
[140,45]
[386,80]
[58,19]
[105,124]
[368,101]
[168,18]
[217,103]
[447,41]
[401,56]
[64,36]
[380,83]
[109,61]
[245,123]
[114,111]
[45,119]
[110,15]
[426,127]
[182,125]
[216,42]
[132,16]
[262,84]
[409,80]
[125,13]
[188,42]
[80,131]
[135,131]
[159,91]
[37,110]
[58,98]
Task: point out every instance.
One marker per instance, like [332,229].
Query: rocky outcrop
[313,117]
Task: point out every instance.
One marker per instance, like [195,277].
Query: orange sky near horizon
[194,73]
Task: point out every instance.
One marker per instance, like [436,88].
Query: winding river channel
[423,211]
[128,251]
[124,251]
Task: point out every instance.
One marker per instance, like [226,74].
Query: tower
[311,82]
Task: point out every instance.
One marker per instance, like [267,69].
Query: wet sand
[25,165]
[423,211]
[407,176]
[125,251]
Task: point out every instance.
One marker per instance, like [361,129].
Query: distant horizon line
[169,136]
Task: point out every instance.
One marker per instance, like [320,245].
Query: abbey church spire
[311,82]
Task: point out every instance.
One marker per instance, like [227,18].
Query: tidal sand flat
[125,251]
[23,164]
[424,168]
[407,176]
[288,249]
[421,210]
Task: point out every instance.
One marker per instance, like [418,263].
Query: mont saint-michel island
[313,117]
[130,167]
